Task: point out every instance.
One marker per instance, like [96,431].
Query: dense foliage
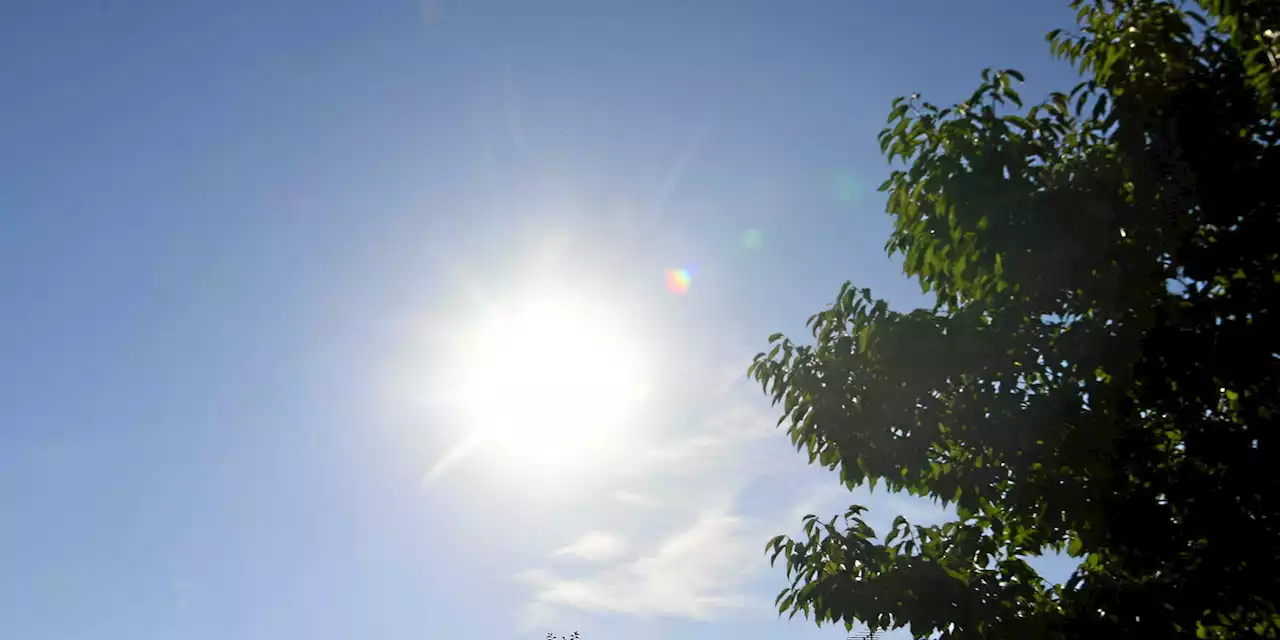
[1099,375]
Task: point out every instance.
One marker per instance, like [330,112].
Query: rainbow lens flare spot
[849,189]
[678,281]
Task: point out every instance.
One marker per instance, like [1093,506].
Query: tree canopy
[1099,374]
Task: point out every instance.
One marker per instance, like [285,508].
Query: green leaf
[784,605]
[1069,386]
[774,542]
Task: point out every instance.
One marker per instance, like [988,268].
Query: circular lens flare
[849,188]
[678,281]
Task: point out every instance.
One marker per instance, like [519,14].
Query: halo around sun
[550,383]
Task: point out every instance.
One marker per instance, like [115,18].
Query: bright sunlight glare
[551,382]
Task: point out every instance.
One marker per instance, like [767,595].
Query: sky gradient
[243,241]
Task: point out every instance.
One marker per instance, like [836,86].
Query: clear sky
[260,261]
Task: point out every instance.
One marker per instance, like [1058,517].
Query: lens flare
[848,188]
[752,239]
[678,281]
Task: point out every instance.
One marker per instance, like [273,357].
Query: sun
[552,380]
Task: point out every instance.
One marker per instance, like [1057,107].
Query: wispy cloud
[596,546]
[635,499]
[694,554]
[695,573]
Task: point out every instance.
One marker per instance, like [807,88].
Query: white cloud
[694,554]
[695,573]
[596,546]
[635,499]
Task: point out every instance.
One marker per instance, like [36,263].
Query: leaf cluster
[1099,374]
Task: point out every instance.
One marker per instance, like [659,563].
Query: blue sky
[246,245]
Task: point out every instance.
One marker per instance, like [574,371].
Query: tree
[1099,374]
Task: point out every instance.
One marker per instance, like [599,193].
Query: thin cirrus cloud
[699,573]
[635,499]
[692,552]
[595,546]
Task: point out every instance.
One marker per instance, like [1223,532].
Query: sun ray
[457,453]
